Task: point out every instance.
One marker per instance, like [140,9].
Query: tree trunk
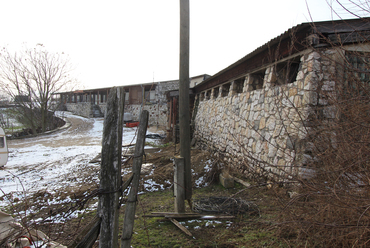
[44,115]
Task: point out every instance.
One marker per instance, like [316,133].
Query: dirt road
[80,132]
[46,176]
[52,162]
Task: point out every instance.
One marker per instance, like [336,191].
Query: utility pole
[184,110]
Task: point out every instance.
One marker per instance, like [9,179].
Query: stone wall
[262,125]
[157,113]
[163,87]
[81,108]
[103,107]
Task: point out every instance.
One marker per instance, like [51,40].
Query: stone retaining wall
[81,108]
[263,125]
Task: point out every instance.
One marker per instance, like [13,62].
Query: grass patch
[243,231]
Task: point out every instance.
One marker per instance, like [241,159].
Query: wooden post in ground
[179,185]
[110,172]
[184,108]
[128,223]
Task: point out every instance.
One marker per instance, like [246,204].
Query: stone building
[256,112]
[149,96]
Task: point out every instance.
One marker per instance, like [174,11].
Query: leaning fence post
[110,172]
[128,223]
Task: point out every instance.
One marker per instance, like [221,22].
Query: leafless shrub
[331,208]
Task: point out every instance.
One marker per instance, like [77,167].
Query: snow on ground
[52,162]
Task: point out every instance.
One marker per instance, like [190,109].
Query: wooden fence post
[128,223]
[110,172]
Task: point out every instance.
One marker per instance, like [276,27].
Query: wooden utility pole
[110,172]
[179,190]
[128,223]
[184,109]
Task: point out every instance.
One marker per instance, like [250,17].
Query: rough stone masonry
[263,127]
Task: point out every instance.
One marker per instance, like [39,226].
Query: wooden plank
[152,150]
[181,227]
[172,213]
[188,216]
[246,184]
[96,159]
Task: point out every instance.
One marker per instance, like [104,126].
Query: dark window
[225,89]
[127,97]
[216,91]
[208,94]
[286,72]
[357,73]
[256,80]
[239,85]
[202,96]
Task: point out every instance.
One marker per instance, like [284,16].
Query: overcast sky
[120,42]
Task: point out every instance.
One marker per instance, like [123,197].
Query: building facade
[150,96]
[256,113]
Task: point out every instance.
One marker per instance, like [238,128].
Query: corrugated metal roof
[308,27]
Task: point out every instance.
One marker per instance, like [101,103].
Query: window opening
[202,96]
[225,89]
[357,73]
[256,81]
[127,97]
[208,95]
[239,85]
[152,97]
[216,91]
[286,72]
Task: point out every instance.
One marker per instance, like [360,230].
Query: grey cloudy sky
[120,42]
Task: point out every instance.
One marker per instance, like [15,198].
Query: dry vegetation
[328,209]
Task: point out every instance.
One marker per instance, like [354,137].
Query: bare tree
[30,78]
